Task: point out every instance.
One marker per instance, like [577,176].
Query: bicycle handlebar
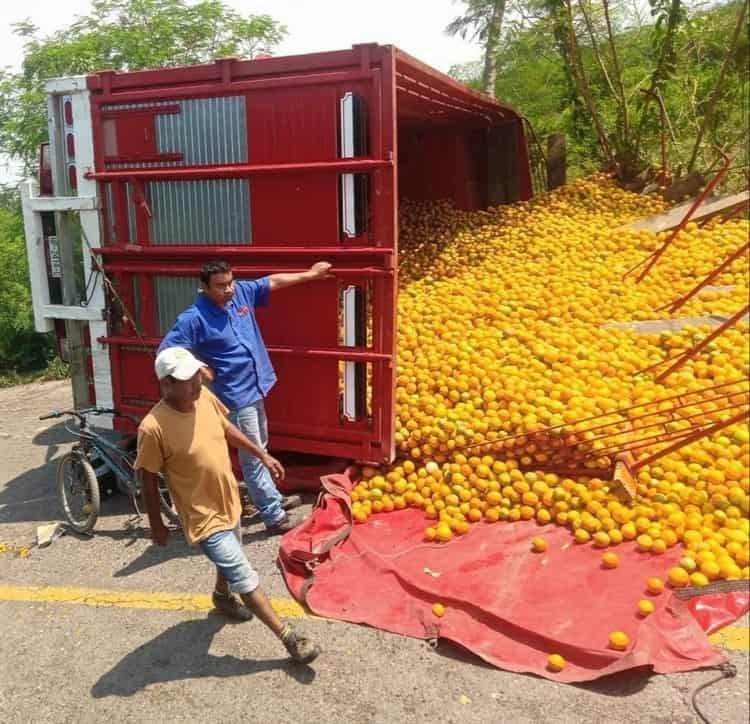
[80,413]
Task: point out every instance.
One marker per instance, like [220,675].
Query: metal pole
[693,351]
[656,255]
[739,417]
[715,273]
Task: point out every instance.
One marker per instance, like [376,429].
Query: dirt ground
[88,663]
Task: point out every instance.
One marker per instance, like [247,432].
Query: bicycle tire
[85,477]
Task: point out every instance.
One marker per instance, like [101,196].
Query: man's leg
[225,602]
[251,421]
[224,549]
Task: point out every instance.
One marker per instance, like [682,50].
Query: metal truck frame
[271,164]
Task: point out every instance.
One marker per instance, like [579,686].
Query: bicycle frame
[105,456]
[114,458]
[119,461]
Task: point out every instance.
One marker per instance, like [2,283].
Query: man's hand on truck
[319,270]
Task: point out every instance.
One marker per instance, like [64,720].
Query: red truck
[272,164]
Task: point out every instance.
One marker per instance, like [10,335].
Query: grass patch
[55,370]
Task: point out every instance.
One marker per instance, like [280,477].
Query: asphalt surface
[88,663]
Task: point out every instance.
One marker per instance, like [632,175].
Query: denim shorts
[224,550]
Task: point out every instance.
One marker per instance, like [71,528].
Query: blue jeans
[251,421]
[224,550]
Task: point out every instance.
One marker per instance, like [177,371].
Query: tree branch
[708,115]
[595,47]
[582,85]
[618,73]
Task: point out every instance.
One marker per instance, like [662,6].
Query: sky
[416,26]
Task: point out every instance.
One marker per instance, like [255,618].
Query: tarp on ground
[506,604]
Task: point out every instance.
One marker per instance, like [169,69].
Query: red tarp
[504,603]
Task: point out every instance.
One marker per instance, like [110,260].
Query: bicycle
[93,457]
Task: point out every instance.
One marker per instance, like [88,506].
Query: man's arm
[236,439]
[150,491]
[319,270]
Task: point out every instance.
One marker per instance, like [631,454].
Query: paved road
[113,629]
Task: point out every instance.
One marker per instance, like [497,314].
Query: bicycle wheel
[165,503]
[78,489]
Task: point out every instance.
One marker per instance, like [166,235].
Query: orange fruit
[610,560]
[438,609]
[645,607]
[711,570]
[555,662]
[659,546]
[360,516]
[492,515]
[443,533]
[619,640]
[655,585]
[678,577]
[475,515]
[698,579]
[538,544]
[644,542]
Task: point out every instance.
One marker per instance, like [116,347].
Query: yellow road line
[98,598]
[736,638]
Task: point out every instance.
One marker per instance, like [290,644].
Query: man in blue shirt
[221,330]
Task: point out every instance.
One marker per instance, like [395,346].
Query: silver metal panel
[205,131]
[110,202]
[213,211]
[129,200]
[346,109]
[173,296]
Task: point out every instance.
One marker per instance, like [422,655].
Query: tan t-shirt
[191,450]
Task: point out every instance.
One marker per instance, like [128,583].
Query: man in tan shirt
[185,437]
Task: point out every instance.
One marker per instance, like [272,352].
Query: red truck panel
[243,160]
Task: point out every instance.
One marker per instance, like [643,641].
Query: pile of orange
[503,332]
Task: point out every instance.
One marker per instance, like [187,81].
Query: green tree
[482,20]
[121,35]
[688,55]
[20,348]
[118,35]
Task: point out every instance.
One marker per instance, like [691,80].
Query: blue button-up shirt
[229,341]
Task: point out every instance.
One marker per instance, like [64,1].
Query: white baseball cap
[176,362]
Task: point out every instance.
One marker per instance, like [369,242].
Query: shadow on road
[623,683]
[181,652]
[54,438]
[154,555]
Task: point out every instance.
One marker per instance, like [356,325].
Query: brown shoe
[228,604]
[288,502]
[300,648]
[282,527]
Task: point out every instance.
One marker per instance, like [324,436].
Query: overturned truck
[271,164]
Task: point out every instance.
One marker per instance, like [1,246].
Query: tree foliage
[675,50]
[20,348]
[118,35]
[483,21]
[121,35]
